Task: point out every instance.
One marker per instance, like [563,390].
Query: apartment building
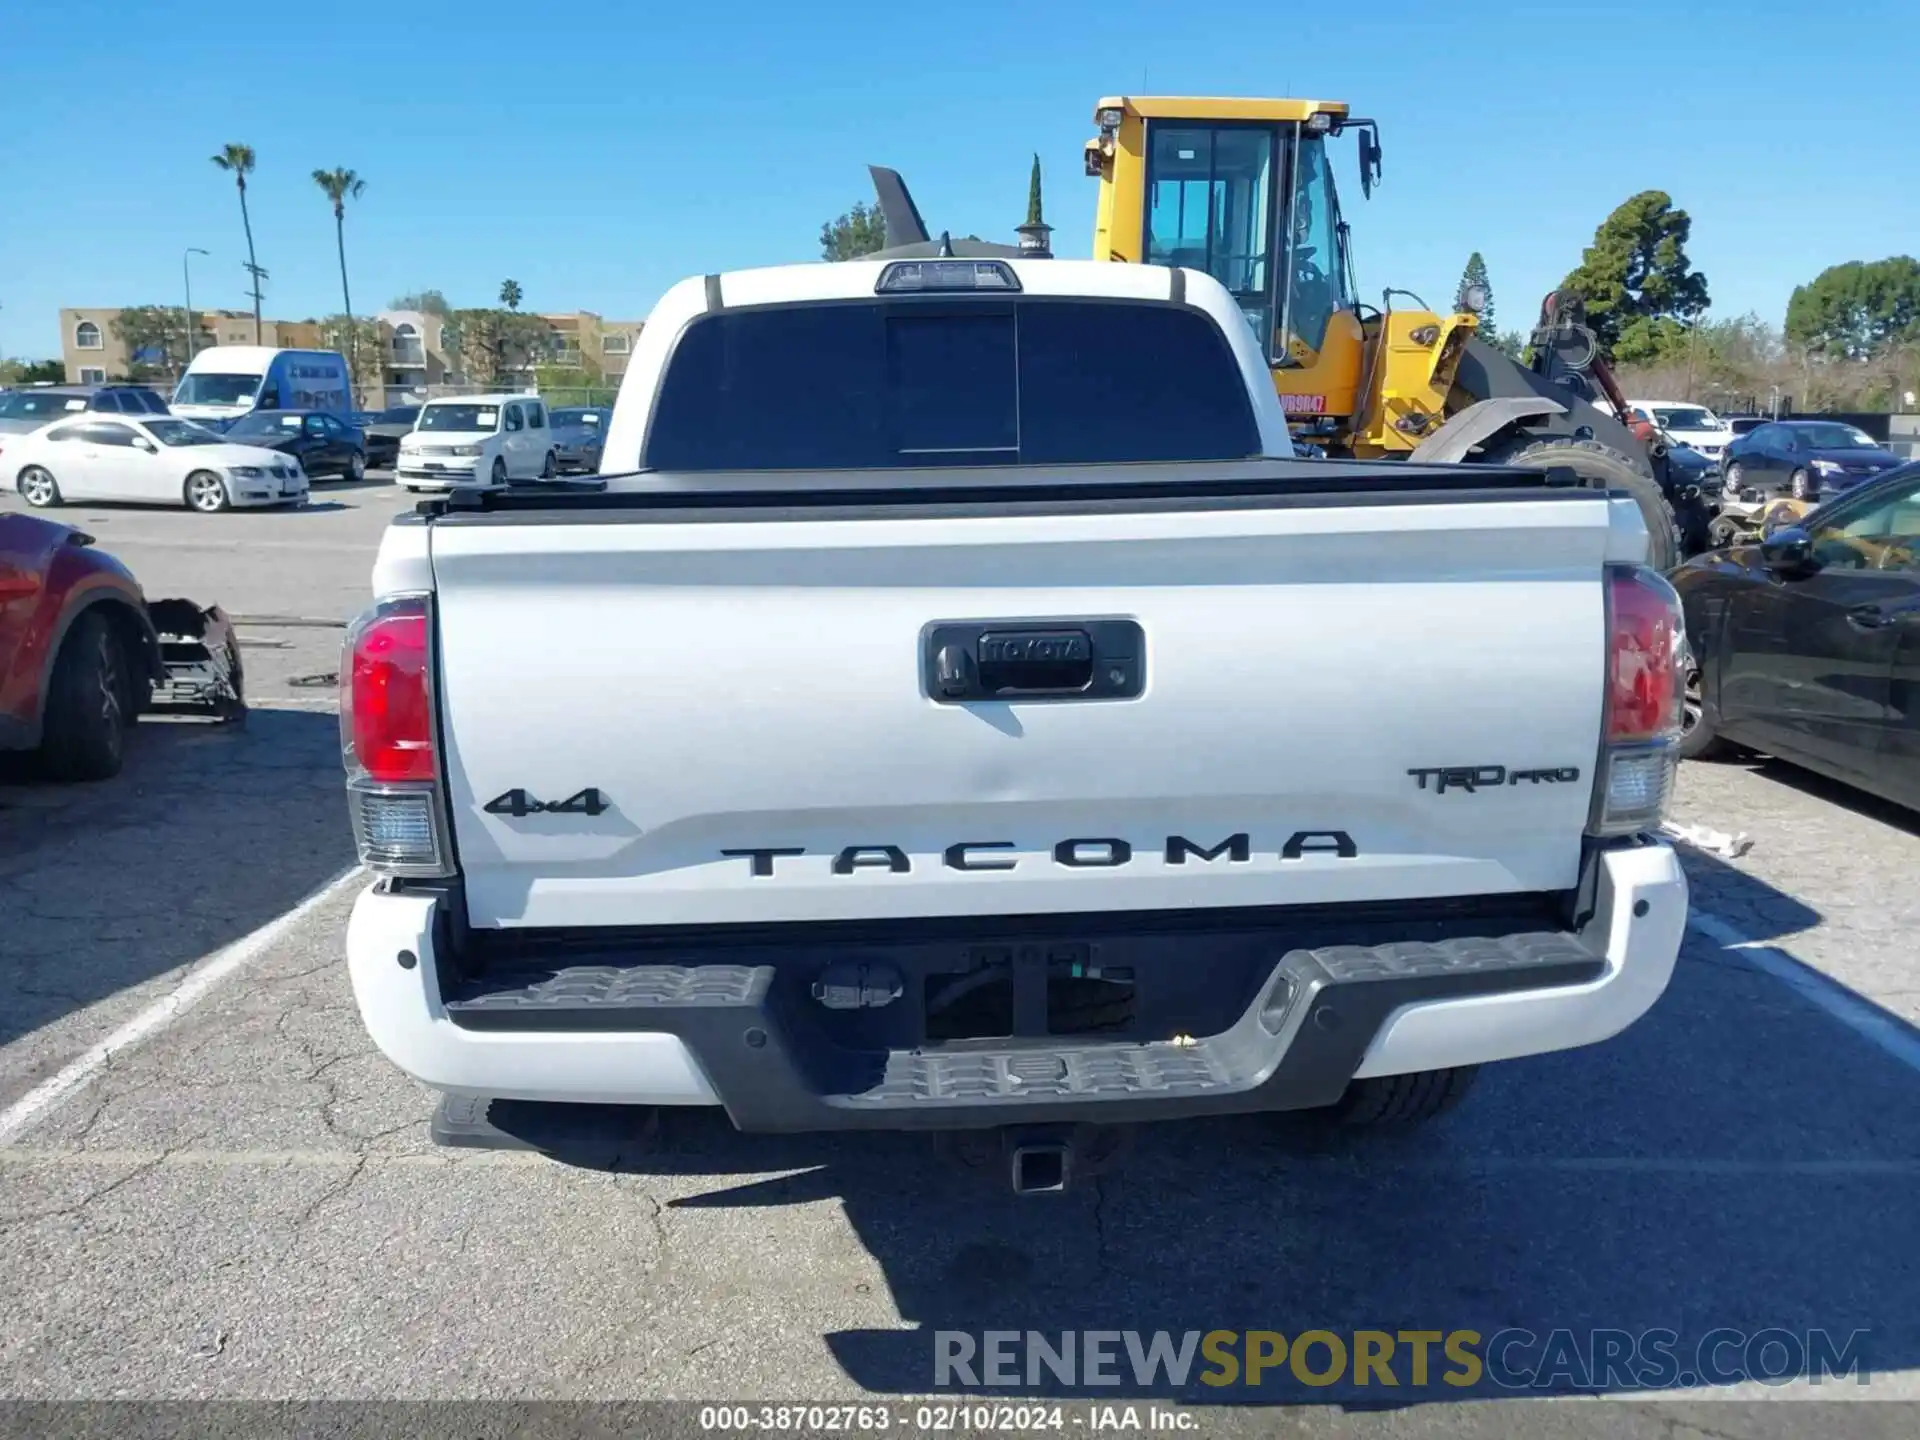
[93,352]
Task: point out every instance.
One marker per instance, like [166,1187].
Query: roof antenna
[945,252]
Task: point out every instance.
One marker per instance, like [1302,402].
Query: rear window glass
[873,385]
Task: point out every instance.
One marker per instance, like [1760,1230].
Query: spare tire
[1601,467]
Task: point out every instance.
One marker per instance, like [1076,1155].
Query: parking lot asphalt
[242,1201]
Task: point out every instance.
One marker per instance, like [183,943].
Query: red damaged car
[78,653]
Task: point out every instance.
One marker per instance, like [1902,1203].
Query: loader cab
[1244,190]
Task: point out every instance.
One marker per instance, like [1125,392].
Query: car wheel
[38,488]
[1736,477]
[357,468]
[499,469]
[1699,723]
[206,492]
[551,468]
[90,704]
[1800,485]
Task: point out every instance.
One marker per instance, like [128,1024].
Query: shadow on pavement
[1819,787]
[209,832]
[1736,1163]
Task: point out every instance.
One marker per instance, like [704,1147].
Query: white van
[1688,423]
[224,382]
[477,440]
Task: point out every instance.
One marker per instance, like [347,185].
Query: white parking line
[44,1097]
[1860,1016]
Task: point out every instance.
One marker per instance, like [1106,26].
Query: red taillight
[385,675]
[1644,683]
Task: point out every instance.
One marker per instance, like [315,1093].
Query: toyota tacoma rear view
[956,708]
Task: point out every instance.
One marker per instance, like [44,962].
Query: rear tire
[1601,467]
[1699,727]
[89,704]
[550,469]
[38,487]
[357,468]
[1396,1102]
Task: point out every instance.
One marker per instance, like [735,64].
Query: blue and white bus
[224,382]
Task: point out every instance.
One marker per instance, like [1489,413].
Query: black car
[383,429]
[27,409]
[323,442]
[1807,459]
[1806,645]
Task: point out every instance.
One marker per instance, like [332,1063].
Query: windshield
[1836,437]
[573,416]
[1210,208]
[180,432]
[405,415]
[268,424]
[460,417]
[1317,286]
[1686,417]
[208,388]
[40,405]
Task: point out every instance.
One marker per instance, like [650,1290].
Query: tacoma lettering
[1098,852]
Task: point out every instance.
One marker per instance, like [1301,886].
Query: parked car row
[155,459]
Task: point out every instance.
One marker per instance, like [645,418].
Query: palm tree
[237,160]
[510,294]
[340,186]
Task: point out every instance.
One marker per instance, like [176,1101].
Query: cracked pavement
[246,1204]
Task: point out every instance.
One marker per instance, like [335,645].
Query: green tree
[1034,216]
[427,302]
[1476,274]
[1637,268]
[1861,310]
[510,295]
[861,231]
[27,372]
[356,334]
[340,186]
[160,330]
[499,345]
[237,160]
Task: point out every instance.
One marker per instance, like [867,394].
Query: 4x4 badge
[519,803]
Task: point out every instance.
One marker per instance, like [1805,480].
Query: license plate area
[993,993]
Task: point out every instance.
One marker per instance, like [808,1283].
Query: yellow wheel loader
[1244,190]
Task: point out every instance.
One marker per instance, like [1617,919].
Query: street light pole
[186,275]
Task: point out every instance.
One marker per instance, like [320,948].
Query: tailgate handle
[1037,660]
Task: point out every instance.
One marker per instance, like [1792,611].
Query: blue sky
[596,152]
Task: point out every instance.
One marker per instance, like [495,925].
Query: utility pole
[186,276]
[258,273]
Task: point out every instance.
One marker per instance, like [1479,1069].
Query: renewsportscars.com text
[1509,1359]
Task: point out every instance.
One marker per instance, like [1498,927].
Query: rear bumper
[714,1028]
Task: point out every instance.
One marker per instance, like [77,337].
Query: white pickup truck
[950,717]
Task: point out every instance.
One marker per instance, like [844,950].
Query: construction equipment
[1244,190]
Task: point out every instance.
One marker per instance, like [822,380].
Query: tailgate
[728,682]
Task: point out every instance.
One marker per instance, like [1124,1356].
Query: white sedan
[156,460]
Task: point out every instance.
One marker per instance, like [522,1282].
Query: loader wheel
[1601,467]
